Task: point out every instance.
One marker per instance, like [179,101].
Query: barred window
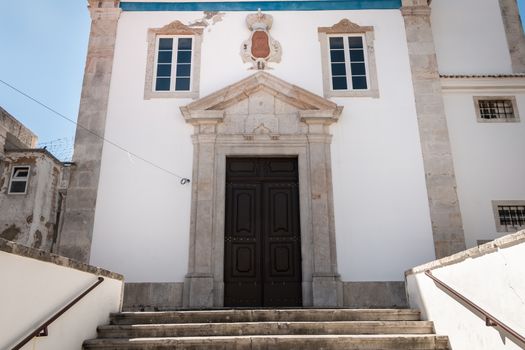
[510,216]
[496,109]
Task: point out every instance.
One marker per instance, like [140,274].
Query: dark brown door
[262,254]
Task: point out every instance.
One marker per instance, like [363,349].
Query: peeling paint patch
[210,18]
[29,219]
[11,233]
[38,239]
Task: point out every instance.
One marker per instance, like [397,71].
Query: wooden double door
[262,253]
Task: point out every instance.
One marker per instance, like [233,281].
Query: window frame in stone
[174,64]
[503,227]
[346,29]
[348,62]
[176,31]
[13,179]
[509,99]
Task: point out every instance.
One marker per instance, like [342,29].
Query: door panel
[242,251]
[262,233]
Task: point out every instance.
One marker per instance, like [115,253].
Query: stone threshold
[487,248]
[21,250]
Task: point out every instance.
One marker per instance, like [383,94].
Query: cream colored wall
[32,291]
[381,209]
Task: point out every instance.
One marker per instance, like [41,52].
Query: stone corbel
[318,121]
[325,117]
[198,117]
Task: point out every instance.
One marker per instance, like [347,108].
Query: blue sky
[43,47]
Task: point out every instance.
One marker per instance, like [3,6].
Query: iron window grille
[511,216]
[496,109]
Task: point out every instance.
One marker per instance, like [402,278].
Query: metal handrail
[42,329]
[490,321]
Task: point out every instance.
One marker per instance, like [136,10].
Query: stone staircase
[301,329]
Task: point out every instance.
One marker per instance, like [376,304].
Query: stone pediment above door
[261,104]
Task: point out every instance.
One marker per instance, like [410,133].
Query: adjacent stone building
[331,145]
[33,186]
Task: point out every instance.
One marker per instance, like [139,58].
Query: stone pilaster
[445,214]
[199,282]
[514,32]
[79,216]
[327,289]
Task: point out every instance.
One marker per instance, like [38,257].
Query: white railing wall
[491,276]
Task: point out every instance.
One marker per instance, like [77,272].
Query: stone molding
[174,28]
[32,253]
[261,116]
[508,85]
[472,253]
[345,26]
[445,214]
[77,230]
[514,33]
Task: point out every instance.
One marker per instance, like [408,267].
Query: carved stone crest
[260,48]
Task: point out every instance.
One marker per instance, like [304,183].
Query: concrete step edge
[391,341]
[303,323]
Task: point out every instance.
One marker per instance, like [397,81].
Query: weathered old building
[33,185]
[331,145]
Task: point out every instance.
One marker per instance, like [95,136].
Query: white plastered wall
[488,157]
[381,209]
[470,37]
[33,290]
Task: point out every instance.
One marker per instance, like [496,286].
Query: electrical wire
[183,180]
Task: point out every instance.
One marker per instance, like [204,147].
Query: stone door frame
[310,143]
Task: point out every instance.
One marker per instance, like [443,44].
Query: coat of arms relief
[260,48]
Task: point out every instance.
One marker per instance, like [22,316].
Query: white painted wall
[470,37]
[381,210]
[494,281]
[488,157]
[32,291]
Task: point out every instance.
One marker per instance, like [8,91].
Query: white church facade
[329,145]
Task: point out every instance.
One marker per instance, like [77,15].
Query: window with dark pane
[337,63]
[357,63]
[511,216]
[496,109]
[19,180]
[164,64]
[183,71]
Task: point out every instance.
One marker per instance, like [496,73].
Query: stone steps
[258,329]
[265,315]
[279,342]
[265,328]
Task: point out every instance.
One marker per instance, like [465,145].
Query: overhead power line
[183,180]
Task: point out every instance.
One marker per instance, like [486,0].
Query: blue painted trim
[286,5]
